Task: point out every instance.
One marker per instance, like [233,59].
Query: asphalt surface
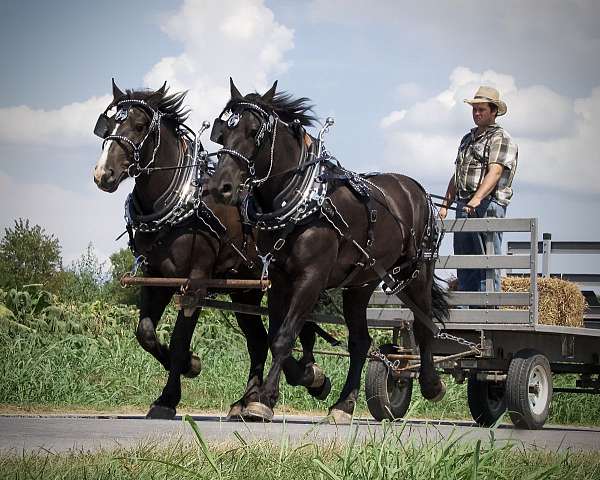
[42,434]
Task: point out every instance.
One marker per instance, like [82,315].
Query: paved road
[89,433]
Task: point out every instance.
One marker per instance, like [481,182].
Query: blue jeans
[473,243]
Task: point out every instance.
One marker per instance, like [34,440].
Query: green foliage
[390,454]
[84,280]
[121,262]
[28,255]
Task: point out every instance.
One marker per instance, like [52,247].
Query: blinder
[216,134]
[104,125]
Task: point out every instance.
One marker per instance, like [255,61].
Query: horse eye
[139,127]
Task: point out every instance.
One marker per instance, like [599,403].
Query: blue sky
[392,73]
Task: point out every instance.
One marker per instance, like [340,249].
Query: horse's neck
[150,188]
[286,157]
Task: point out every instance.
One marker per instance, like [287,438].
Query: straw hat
[488,95]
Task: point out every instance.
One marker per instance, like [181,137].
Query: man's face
[482,114]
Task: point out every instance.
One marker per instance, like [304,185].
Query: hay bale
[559,302]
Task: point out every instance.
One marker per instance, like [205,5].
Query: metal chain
[395,365]
[376,354]
[462,341]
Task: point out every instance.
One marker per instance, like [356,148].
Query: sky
[392,73]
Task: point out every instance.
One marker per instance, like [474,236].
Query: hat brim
[502,108]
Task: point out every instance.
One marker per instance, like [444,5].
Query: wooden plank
[483,261]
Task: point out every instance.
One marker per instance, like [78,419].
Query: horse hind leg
[154,300]
[258,347]
[419,293]
[165,406]
[359,342]
[314,379]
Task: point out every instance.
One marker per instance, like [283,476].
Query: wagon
[506,355]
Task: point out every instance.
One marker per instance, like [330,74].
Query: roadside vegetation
[67,344]
[385,456]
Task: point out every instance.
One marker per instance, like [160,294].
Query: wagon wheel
[529,391]
[387,397]
[487,400]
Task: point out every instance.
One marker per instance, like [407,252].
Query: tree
[84,280]
[28,255]
[121,261]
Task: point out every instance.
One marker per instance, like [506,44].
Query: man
[482,181]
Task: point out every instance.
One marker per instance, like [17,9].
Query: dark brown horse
[320,227]
[181,232]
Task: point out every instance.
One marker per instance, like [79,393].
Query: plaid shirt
[475,153]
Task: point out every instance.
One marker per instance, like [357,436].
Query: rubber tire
[486,403]
[386,399]
[517,391]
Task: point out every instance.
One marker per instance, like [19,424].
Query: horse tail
[439,301]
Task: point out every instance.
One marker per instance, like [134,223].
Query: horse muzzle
[107,180]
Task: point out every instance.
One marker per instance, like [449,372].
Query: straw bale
[559,302]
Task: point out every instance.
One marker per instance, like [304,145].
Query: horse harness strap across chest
[178,206]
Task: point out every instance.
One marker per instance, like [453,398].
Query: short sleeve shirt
[476,152]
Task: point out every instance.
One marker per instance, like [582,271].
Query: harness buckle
[373,216]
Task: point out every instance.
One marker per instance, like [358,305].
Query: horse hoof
[235,412]
[160,412]
[257,411]
[440,394]
[322,392]
[339,417]
[318,376]
[195,367]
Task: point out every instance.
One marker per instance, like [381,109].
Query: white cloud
[233,37]
[69,126]
[238,38]
[556,135]
[74,218]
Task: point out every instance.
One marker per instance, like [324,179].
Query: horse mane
[284,105]
[169,105]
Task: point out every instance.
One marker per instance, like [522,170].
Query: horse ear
[162,89]
[235,93]
[159,94]
[268,97]
[117,93]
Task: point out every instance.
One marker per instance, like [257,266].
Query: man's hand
[442,213]
[470,207]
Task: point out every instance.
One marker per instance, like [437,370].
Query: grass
[85,357]
[387,456]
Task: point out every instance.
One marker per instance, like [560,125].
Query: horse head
[251,128]
[132,136]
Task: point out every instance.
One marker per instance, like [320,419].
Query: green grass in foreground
[69,357]
[383,457]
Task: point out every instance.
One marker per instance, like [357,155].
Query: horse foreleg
[418,297]
[153,301]
[164,406]
[359,342]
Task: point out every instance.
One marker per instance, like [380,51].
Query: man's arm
[449,198]
[487,186]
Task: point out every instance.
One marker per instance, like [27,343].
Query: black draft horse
[263,139]
[146,139]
